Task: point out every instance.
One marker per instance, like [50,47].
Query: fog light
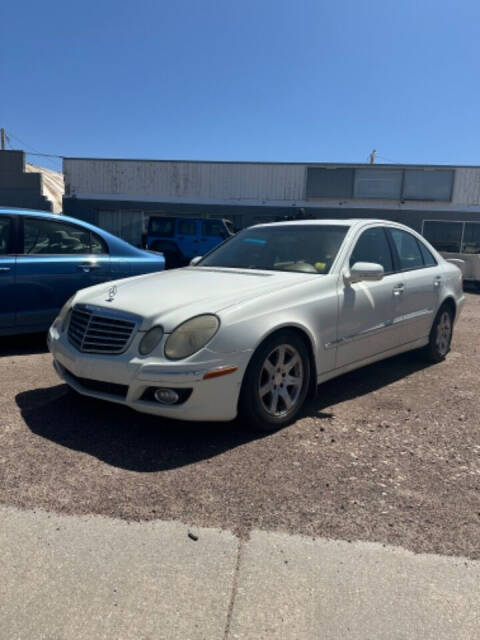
[166,396]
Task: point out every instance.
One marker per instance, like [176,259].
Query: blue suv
[181,239]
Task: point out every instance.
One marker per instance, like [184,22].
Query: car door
[56,262]
[187,237]
[7,272]
[418,286]
[365,313]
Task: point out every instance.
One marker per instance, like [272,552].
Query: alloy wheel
[444,333]
[281,381]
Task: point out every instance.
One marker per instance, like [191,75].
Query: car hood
[171,297]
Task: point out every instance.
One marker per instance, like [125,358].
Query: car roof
[344,222]
[41,214]
[119,246]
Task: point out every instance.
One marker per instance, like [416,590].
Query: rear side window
[373,246]
[214,228]
[187,227]
[5,226]
[162,226]
[428,259]
[52,237]
[97,245]
[408,250]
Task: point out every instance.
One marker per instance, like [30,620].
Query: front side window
[408,250]
[471,238]
[444,236]
[187,227]
[52,237]
[372,246]
[304,248]
[5,225]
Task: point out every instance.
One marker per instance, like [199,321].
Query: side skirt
[410,346]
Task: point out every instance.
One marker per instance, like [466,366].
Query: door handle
[437,281]
[4,268]
[87,266]
[398,289]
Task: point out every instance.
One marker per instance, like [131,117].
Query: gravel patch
[389,453]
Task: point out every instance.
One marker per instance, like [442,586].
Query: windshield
[304,248]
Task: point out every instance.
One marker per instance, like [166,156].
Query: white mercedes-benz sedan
[255,325]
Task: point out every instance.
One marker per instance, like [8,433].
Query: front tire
[440,335]
[276,383]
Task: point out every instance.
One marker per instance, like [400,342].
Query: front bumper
[127,377]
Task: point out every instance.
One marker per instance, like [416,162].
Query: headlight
[61,319]
[150,340]
[191,336]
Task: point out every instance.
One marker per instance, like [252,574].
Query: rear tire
[440,335]
[276,383]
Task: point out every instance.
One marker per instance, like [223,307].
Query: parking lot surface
[389,453]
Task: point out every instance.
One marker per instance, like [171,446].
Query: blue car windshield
[304,248]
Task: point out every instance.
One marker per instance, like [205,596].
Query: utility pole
[372,156]
[2,138]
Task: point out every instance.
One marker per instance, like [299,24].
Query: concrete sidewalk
[69,578]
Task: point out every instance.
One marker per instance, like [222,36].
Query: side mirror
[195,260]
[365,272]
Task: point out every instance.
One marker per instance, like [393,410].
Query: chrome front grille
[97,331]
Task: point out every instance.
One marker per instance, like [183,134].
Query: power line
[34,152]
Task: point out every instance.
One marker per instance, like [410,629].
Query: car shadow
[122,437]
[137,442]
[362,382]
[23,344]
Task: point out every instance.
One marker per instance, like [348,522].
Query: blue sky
[280,80]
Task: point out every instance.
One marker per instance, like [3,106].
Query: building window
[471,238]
[378,183]
[444,236]
[329,183]
[420,184]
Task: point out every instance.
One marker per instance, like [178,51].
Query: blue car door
[7,272]
[57,261]
[187,237]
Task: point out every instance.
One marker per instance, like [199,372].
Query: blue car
[46,258]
